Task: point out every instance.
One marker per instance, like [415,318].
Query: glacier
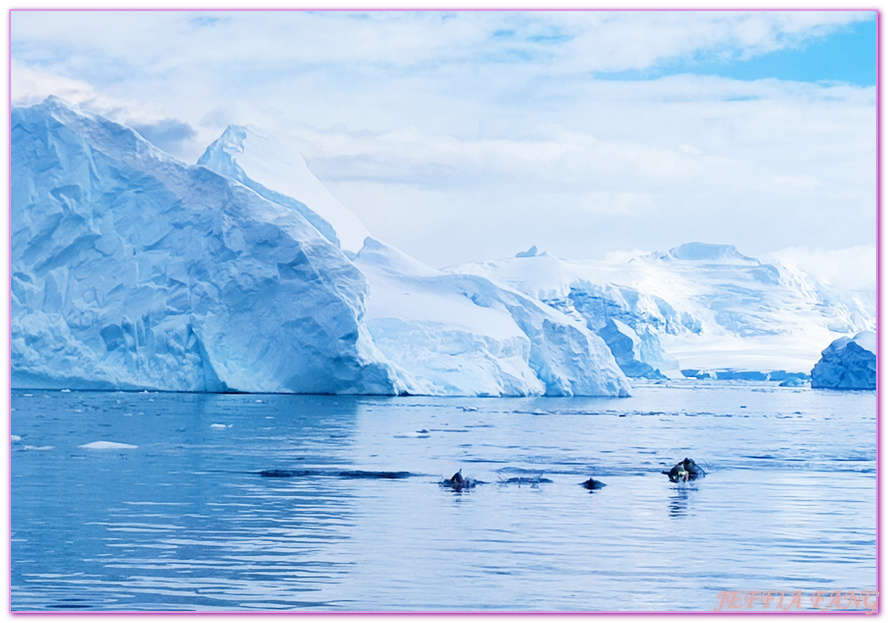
[847,363]
[133,270]
[705,309]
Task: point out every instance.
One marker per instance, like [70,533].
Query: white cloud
[481,134]
[852,267]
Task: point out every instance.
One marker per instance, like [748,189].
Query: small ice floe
[259,401]
[37,448]
[15,438]
[66,391]
[28,395]
[107,445]
[220,426]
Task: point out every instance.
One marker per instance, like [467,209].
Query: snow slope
[134,270]
[708,307]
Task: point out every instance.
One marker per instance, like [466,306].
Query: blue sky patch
[845,56]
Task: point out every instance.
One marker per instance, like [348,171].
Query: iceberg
[847,363]
[133,270]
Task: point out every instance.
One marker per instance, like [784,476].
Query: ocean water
[185,520]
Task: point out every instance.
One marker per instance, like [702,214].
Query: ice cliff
[847,363]
[627,347]
[133,270]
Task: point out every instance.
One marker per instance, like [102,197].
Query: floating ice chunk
[847,363]
[16,438]
[220,426]
[107,445]
[38,448]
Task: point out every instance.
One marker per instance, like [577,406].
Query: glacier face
[133,270]
[847,363]
[698,306]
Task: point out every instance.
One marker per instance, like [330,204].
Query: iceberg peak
[55,102]
[274,168]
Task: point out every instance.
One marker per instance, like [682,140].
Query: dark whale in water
[458,482]
[684,471]
[593,484]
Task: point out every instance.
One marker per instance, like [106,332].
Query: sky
[469,135]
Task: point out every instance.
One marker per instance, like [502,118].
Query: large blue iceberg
[847,363]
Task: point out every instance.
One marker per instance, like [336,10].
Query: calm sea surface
[185,520]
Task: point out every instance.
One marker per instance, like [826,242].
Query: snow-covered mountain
[699,307]
[131,269]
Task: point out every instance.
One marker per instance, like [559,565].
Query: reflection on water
[233,502]
[678,501]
